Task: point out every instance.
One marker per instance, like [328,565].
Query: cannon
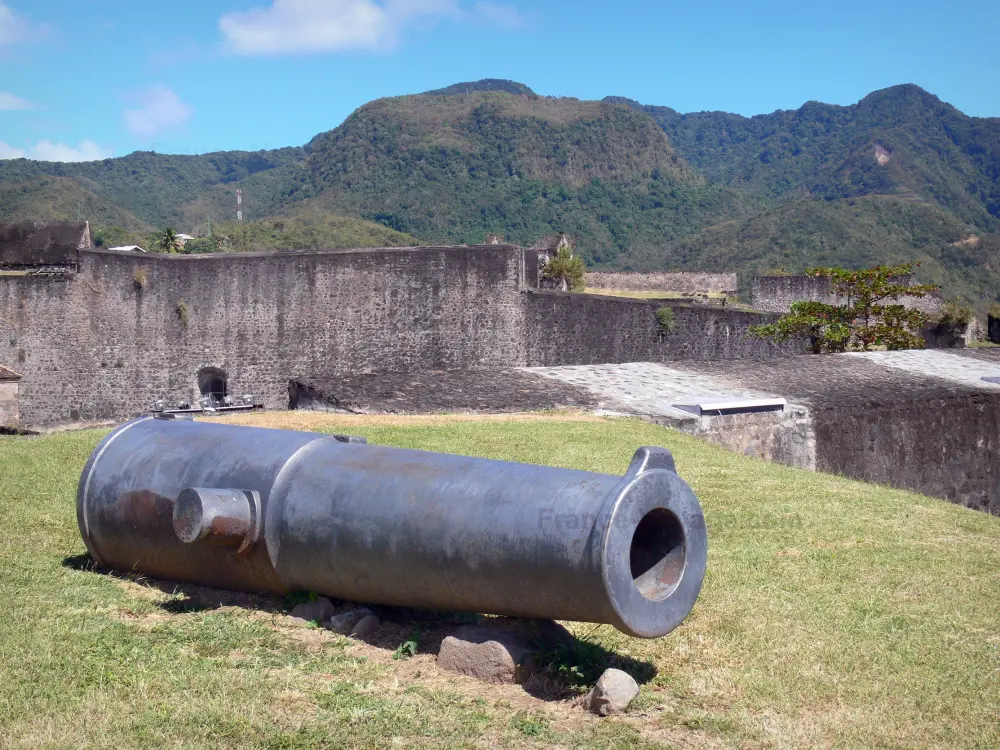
[255,509]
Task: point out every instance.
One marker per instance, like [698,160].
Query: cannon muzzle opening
[273,510]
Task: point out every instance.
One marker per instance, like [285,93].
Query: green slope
[898,141]
[853,232]
[179,190]
[44,198]
[451,168]
[319,232]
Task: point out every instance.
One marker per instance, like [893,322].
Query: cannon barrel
[256,509]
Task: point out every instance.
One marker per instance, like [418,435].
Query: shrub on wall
[666,319]
[567,268]
[955,313]
[182,312]
[140,278]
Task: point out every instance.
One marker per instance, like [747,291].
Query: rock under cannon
[273,510]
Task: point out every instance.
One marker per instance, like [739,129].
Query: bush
[182,312]
[140,278]
[955,313]
[200,246]
[568,268]
[666,319]
[870,315]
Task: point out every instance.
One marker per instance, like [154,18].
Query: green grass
[833,614]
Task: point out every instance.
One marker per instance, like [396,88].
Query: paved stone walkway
[937,364]
[643,388]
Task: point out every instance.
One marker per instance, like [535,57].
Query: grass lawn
[834,613]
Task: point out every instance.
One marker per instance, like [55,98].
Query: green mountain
[899,141]
[455,167]
[899,175]
[180,191]
[42,197]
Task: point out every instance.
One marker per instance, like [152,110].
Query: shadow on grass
[565,664]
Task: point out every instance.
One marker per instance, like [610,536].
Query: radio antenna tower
[239,204]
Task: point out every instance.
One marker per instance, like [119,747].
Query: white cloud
[15,28]
[159,109]
[305,26]
[9,102]
[499,16]
[46,150]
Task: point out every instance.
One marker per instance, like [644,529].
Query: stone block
[345,622]
[613,693]
[487,654]
[367,627]
[318,610]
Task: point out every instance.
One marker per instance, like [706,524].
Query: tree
[860,318]
[566,268]
[168,242]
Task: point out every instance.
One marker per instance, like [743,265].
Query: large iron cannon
[272,510]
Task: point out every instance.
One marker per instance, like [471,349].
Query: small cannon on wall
[272,510]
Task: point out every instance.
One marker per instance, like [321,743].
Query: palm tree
[168,242]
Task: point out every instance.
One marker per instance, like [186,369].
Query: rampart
[128,329]
[777,293]
[584,329]
[682,283]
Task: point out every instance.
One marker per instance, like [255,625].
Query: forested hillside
[898,141]
[899,175]
[854,232]
[452,168]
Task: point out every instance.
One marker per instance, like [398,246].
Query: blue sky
[95,78]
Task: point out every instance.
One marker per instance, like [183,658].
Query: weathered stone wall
[55,243]
[945,446]
[886,425]
[688,283]
[97,346]
[9,414]
[777,293]
[567,329]
[107,342]
[785,437]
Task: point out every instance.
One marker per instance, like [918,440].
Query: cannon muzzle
[273,510]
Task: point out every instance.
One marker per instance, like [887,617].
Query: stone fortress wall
[777,293]
[119,330]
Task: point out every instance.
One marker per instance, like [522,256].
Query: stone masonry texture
[127,329]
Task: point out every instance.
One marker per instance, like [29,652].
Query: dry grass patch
[646,294]
[325,421]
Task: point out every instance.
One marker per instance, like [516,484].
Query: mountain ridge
[639,186]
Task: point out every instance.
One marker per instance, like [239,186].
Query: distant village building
[130,248]
[494,239]
[182,239]
[9,413]
[553,243]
